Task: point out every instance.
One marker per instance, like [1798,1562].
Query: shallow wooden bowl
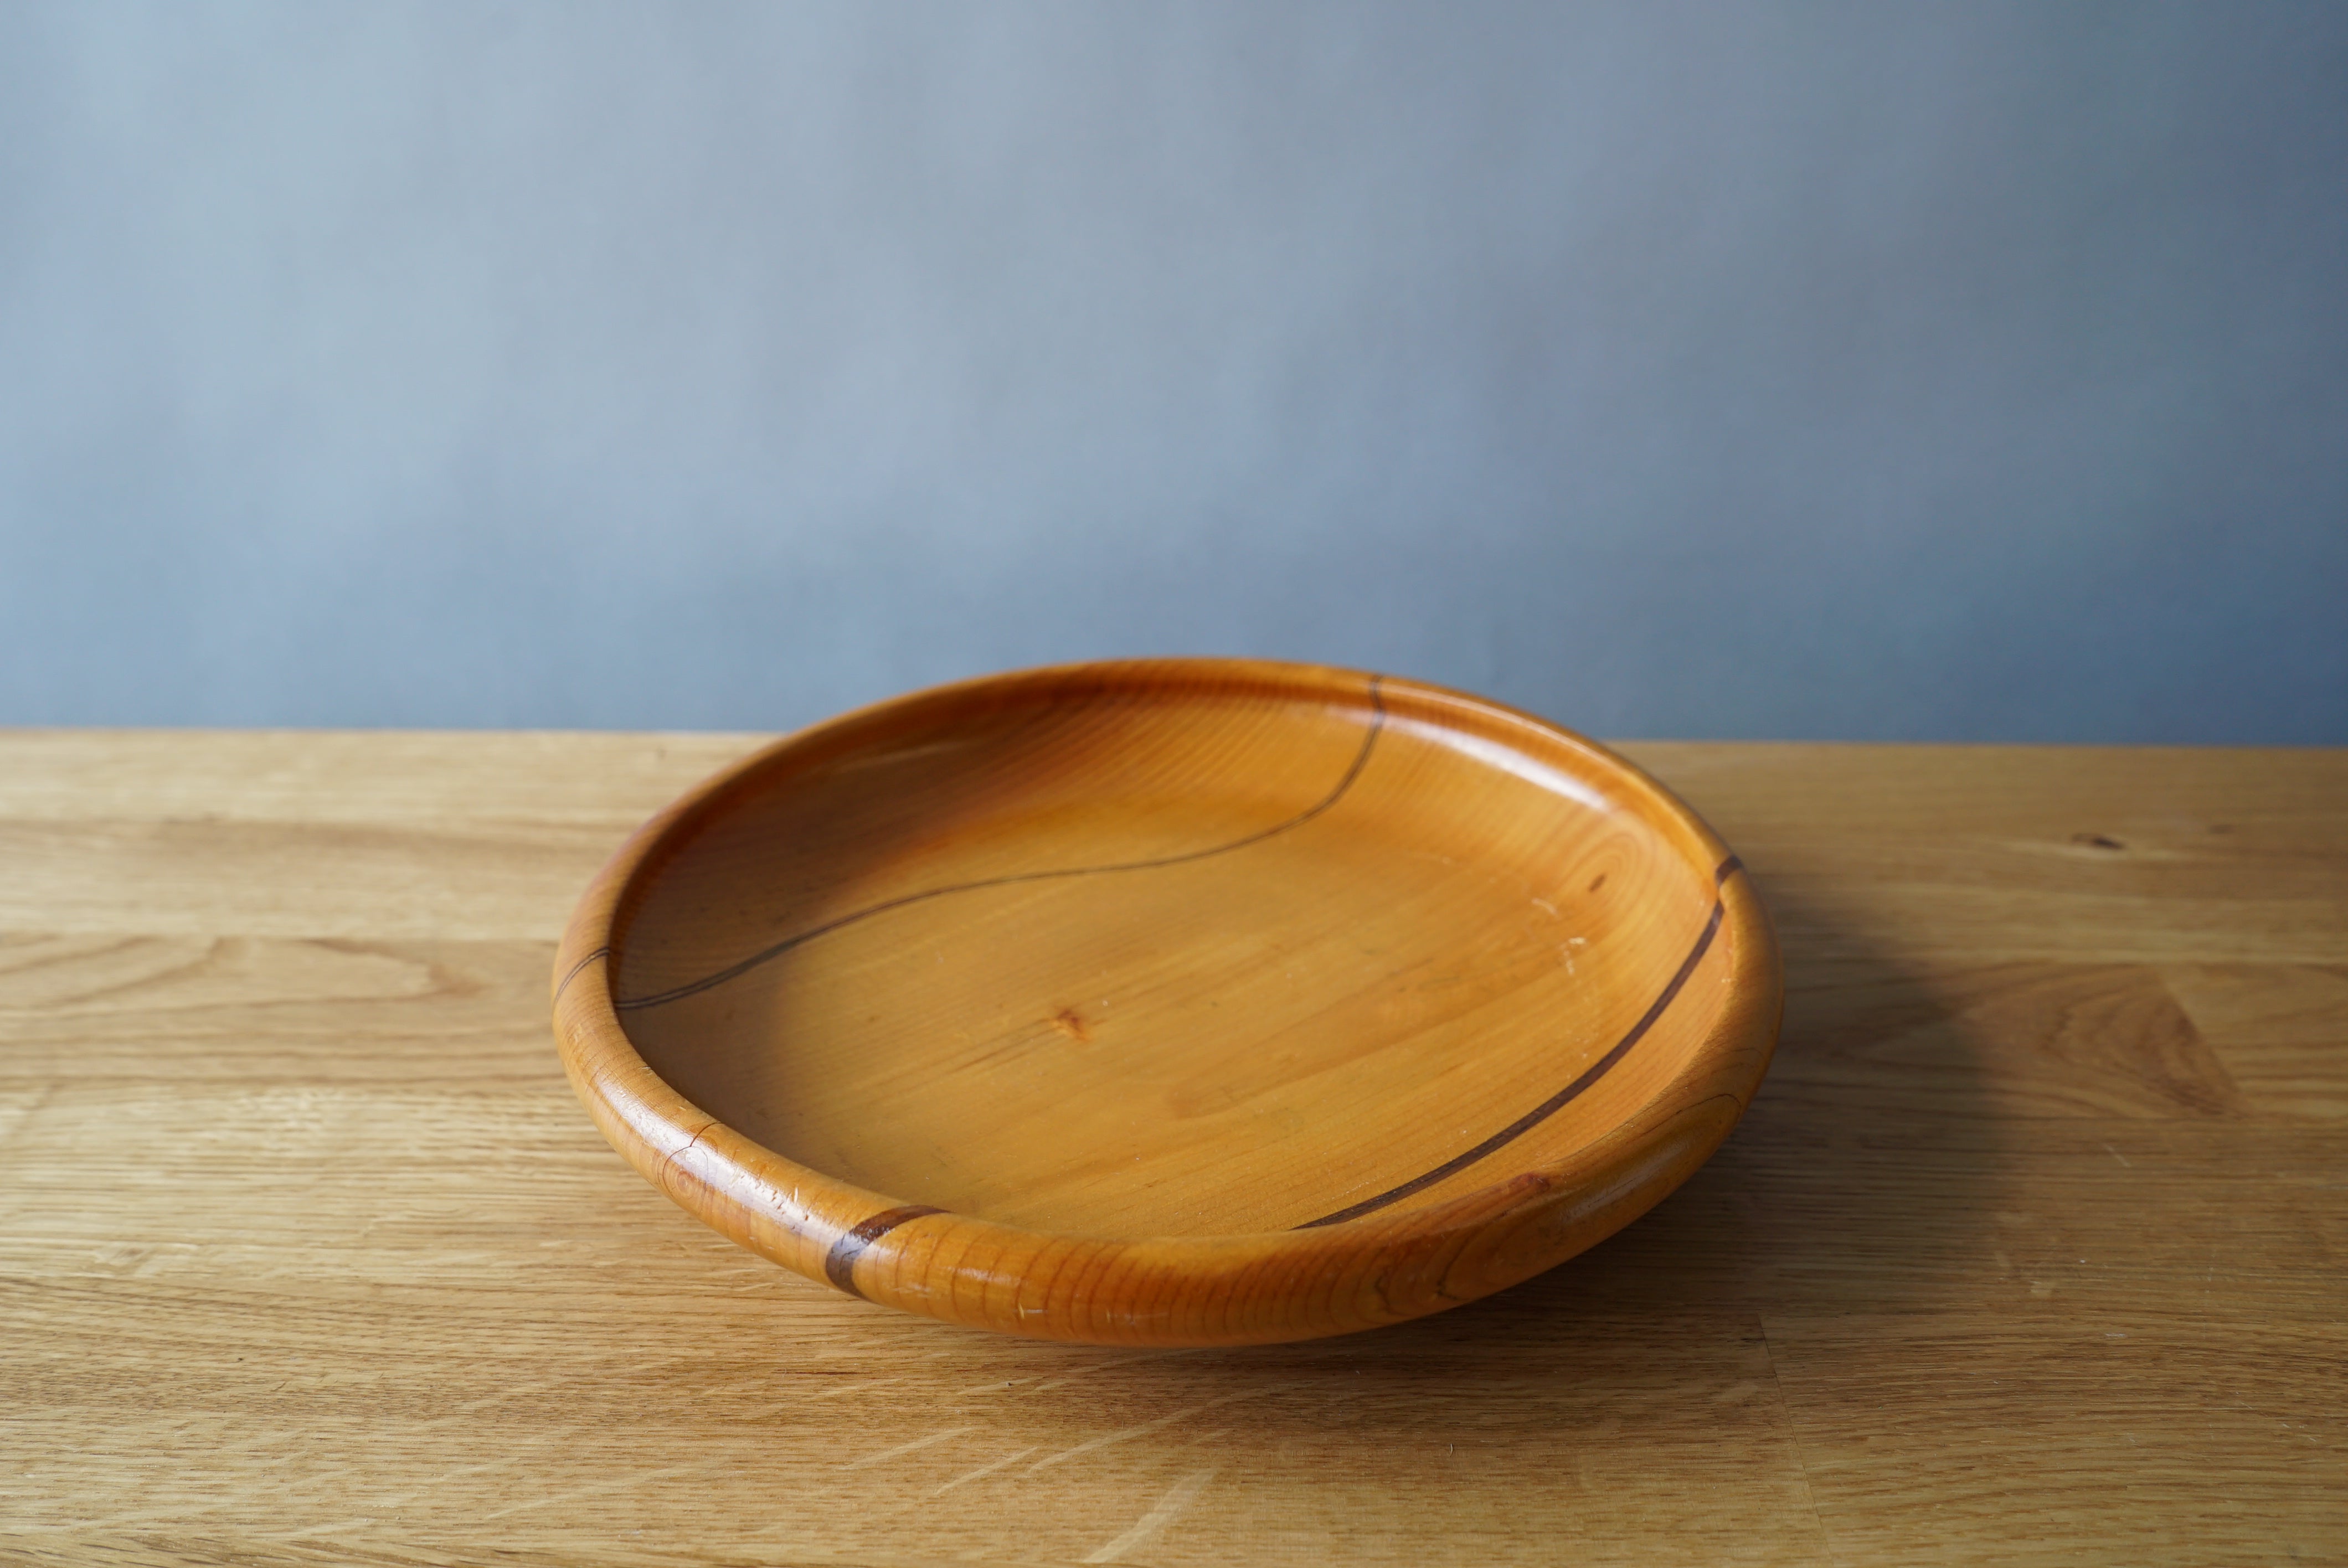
[1180,1002]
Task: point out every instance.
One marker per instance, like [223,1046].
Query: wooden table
[2030,1249]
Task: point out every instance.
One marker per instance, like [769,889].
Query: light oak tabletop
[2031,1248]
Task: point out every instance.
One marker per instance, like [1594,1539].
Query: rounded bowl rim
[1149,1289]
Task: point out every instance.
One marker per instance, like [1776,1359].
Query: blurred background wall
[1959,371]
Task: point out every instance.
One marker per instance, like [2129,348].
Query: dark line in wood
[840,1264]
[1557,1101]
[768,955]
[563,984]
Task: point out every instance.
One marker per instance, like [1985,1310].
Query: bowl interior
[1165,958]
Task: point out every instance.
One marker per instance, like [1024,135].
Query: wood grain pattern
[1170,1002]
[307,1256]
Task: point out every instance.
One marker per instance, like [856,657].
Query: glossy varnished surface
[1172,1002]
[2029,1250]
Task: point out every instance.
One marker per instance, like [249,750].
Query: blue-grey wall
[1964,370]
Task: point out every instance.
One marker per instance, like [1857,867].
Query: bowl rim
[1350,1271]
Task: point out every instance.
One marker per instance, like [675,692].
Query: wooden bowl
[1176,1002]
